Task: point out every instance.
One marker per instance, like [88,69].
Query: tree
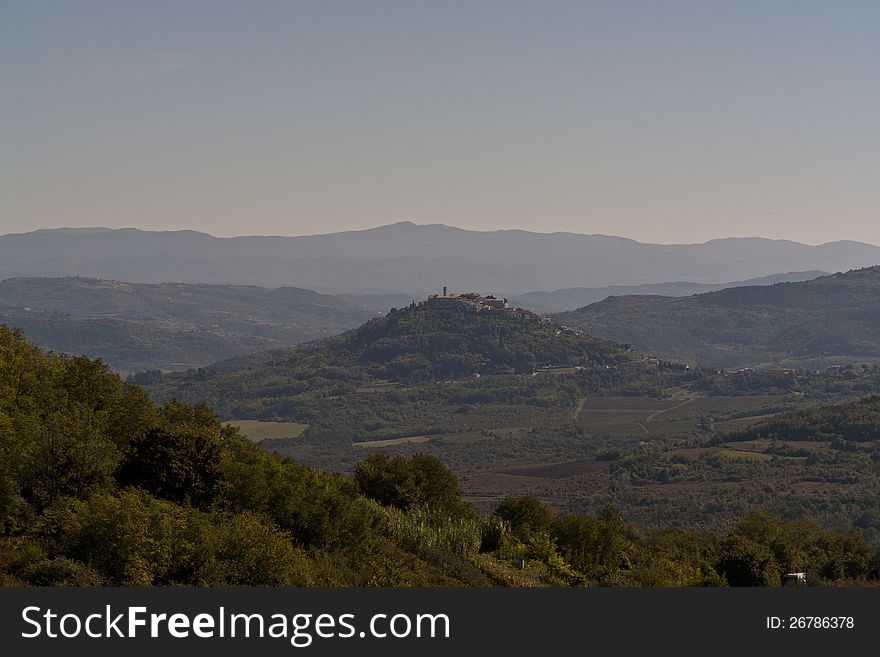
[421,481]
[253,553]
[176,463]
[744,562]
[69,456]
[386,479]
[437,487]
[129,538]
[527,515]
[597,546]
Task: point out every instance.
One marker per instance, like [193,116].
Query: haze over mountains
[219,311]
[412,259]
[576,297]
[173,326]
[168,326]
[830,320]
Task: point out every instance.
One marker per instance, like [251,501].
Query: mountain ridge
[414,225]
[406,257]
[135,326]
[828,320]
[574,297]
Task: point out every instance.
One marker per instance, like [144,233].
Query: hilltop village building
[468,301]
[477,303]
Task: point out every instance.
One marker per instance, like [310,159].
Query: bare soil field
[558,470]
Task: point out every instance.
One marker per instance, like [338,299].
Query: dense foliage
[98,485]
[842,424]
[420,341]
[604,550]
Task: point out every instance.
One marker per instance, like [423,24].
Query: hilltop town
[474,302]
[478,303]
[471,301]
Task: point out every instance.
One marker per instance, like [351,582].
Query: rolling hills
[574,420]
[829,320]
[176,326]
[577,297]
[171,325]
[99,486]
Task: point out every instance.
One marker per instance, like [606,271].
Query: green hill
[99,486]
[845,426]
[168,326]
[416,345]
[420,342]
[832,319]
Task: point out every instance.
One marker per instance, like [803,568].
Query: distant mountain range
[412,259]
[168,326]
[830,320]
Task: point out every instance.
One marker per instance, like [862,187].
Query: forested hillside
[829,320]
[850,426]
[168,326]
[412,345]
[99,486]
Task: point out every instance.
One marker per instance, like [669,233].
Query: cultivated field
[680,414]
[392,441]
[661,459]
[258,430]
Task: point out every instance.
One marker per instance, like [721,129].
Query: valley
[580,424]
[418,431]
[406,295]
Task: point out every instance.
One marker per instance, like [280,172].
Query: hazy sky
[663,121]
